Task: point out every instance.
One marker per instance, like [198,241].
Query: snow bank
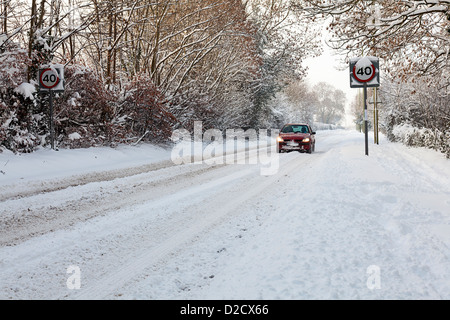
[325,126]
[422,137]
[26,90]
[49,164]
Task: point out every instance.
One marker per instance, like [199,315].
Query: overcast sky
[330,69]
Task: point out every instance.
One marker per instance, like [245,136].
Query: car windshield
[295,129]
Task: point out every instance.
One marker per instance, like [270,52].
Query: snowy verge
[49,164]
[422,137]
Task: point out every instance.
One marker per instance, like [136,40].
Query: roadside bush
[427,138]
[417,113]
[16,102]
[84,111]
[142,113]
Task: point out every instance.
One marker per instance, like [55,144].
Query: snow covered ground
[127,223]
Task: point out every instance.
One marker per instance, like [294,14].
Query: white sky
[328,68]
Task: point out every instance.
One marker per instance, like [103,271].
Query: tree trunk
[32,34]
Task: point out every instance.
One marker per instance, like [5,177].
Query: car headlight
[280,139]
[306,140]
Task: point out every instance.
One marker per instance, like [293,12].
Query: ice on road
[127,223]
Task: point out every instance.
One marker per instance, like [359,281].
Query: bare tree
[285,38]
[4,15]
[302,102]
[330,107]
[413,36]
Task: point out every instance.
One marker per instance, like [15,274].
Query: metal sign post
[366,121]
[375,101]
[365,73]
[375,115]
[52,127]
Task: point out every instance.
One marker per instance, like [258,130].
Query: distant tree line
[412,40]
[300,102]
[137,69]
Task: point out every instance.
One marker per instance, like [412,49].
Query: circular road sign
[49,78]
[364,70]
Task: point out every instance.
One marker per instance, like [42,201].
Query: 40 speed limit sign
[51,78]
[364,72]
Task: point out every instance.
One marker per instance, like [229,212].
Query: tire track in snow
[182,234]
[38,215]
[20,191]
[37,218]
[34,188]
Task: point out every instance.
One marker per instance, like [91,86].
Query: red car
[296,136]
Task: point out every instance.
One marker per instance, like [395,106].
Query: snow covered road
[129,224]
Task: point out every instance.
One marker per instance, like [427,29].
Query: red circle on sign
[362,80]
[41,81]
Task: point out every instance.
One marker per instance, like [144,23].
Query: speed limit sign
[51,78]
[364,72]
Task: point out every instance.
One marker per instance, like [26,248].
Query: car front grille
[300,142]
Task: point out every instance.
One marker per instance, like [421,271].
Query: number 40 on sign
[51,78]
[364,72]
